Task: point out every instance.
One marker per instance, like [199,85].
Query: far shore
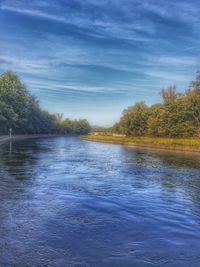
[180,145]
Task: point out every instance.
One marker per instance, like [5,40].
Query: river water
[66,202]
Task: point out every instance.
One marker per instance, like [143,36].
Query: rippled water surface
[67,202]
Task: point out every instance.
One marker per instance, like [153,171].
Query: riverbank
[5,138]
[186,145]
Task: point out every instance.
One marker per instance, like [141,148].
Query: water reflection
[171,170]
[172,159]
[19,159]
[179,160]
[66,202]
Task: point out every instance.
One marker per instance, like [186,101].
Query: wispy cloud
[35,13]
[98,28]
[177,61]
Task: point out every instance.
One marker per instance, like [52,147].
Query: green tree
[134,120]
[21,111]
[177,116]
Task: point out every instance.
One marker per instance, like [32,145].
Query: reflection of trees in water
[19,158]
[186,174]
[171,170]
[172,159]
[179,160]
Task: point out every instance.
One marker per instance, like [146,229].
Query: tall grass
[144,140]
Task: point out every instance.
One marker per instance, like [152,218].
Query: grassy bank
[182,144]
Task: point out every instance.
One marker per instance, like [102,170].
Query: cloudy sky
[91,58]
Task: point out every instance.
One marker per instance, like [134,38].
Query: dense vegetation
[177,116]
[20,111]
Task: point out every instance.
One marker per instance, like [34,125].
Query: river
[66,202]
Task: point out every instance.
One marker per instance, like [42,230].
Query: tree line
[177,116]
[20,111]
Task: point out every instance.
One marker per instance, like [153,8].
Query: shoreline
[177,148]
[6,139]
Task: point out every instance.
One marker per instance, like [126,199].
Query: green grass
[144,140]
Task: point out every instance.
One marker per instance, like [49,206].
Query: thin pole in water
[10,131]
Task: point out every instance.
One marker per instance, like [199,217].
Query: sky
[93,58]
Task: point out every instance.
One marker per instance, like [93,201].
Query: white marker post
[10,131]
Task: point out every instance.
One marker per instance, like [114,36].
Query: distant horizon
[92,59]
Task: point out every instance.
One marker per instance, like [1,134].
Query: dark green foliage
[177,116]
[20,111]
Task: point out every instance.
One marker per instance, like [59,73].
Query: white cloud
[175,61]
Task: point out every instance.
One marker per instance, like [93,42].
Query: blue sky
[91,58]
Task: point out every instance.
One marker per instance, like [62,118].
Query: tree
[195,85]
[21,111]
[81,127]
[134,120]
[169,94]
[157,118]
[8,117]
[193,99]
[14,94]
[177,116]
